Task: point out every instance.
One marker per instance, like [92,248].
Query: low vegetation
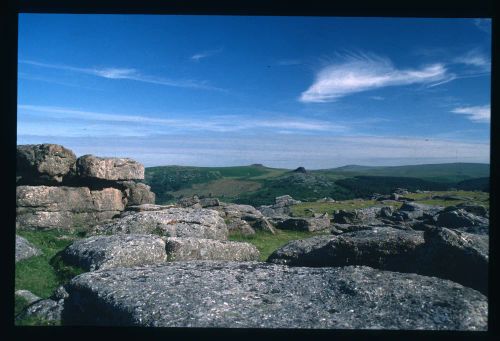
[258,185]
[267,242]
[42,274]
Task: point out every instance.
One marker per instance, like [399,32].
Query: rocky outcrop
[304,224]
[107,168]
[27,295]
[56,190]
[103,252]
[46,207]
[458,256]
[24,249]
[282,206]
[439,252]
[43,163]
[257,295]
[171,222]
[182,249]
[380,247]
[412,210]
[241,217]
[463,220]
[46,311]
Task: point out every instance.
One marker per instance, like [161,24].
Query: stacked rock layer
[57,190]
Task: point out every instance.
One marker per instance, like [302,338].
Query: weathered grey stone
[346,228]
[171,222]
[474,209]
[286,200]
[27,295]
[263,224]
[304,224]
[74,199]
[109,168]
[439,252]
[193,202]
[412,210]
[137,193]
[103,252]
[381,247]
[209,202]
[458,256]
[146,207]
[27,219]
[43,163]
[359,216]
[49,311]
[258,295]
[24,249]
[240,226]
[59,293]
[182,249]
[50,207]
[460,218]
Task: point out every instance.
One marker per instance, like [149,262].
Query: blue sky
[317,92]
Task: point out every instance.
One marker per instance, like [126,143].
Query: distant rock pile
[55,189]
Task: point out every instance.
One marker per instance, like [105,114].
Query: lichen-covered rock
[24,249]
[240,226]
[109,168]
[51,207]
[27,295]
[137,193]
[281,206]
[461,219]
[209,202]
[413,210]
[258,295]
[380,247]
[103,252]
[171,222]
[43,163]
[181,249]
[193,202]
[27,219]
[458,256]
[46,311]
[304,224]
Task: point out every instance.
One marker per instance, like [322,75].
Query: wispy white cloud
[377,98]
[139,125]
[476,59]
[128,74]
[480,114]
[368,72]
[205,54]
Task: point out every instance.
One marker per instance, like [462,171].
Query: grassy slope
[259,185]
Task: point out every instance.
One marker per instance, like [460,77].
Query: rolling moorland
[258,185]
[350,193]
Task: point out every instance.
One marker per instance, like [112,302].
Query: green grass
[42,274]
[267,242]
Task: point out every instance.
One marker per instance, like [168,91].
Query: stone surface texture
[182,249]
[24,249]
[108,168]
[259,295]
[103,252]
[171,222]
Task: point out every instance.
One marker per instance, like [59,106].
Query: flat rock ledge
[260,295]
[171,222]
[182,249]
[103,252]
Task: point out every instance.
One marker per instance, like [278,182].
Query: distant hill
[446,172]
[258,185]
